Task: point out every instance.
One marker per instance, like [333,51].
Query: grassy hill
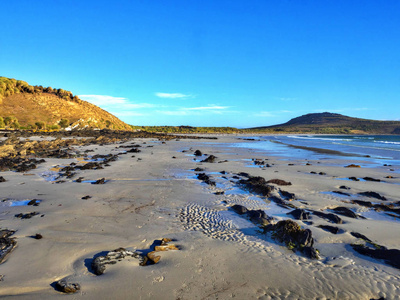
[330,123]
[48,108]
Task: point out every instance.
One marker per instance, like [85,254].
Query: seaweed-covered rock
[2,179]
[198,153]
[294,237]
[353,166]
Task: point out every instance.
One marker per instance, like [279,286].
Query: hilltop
[26,106]
[332,123]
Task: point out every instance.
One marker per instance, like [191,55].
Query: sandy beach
[220,254]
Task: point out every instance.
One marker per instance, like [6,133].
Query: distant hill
[333,123]
[37,106]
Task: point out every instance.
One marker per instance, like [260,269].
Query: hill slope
[32,104]
[333,123]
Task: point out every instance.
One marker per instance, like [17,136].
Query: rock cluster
[99,263]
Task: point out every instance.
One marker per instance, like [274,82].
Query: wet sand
[156,194]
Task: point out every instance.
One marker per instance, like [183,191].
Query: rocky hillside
[46,108]
[334,123]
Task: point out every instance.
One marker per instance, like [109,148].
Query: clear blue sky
[210,62]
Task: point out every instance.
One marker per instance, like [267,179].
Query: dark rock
[331,229]
[65,287]
[244,174]
[354,178]
[295,238]
[199,169]
[26,216]
[299,214]
[362,203]
[7,244]
[279,182]
[210,159]
[373,195]
[360,236]
[313,172]
[341,193]
[2,179]
[198,153]
[79,179]
[219,193]
[322,173]
[257,185]
[34,202]
[259,217]
[239,209]
[100,181]
[38,236]
[390,256]
[206,179]
[344,211]
[310,252]
[86,197]
[330,217]
[371,179]
[287,195]
[343,187]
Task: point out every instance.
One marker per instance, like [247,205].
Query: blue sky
[210,63]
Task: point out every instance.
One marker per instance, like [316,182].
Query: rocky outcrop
[389,256]
[294,237]
[257,185]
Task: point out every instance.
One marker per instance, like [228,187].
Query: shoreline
[221,254]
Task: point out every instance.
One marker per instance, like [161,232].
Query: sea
[380,149]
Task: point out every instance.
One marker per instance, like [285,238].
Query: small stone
[68,288]
[38,236]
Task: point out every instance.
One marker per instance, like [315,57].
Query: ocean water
[381,149]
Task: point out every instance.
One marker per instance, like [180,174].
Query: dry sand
[221,255]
